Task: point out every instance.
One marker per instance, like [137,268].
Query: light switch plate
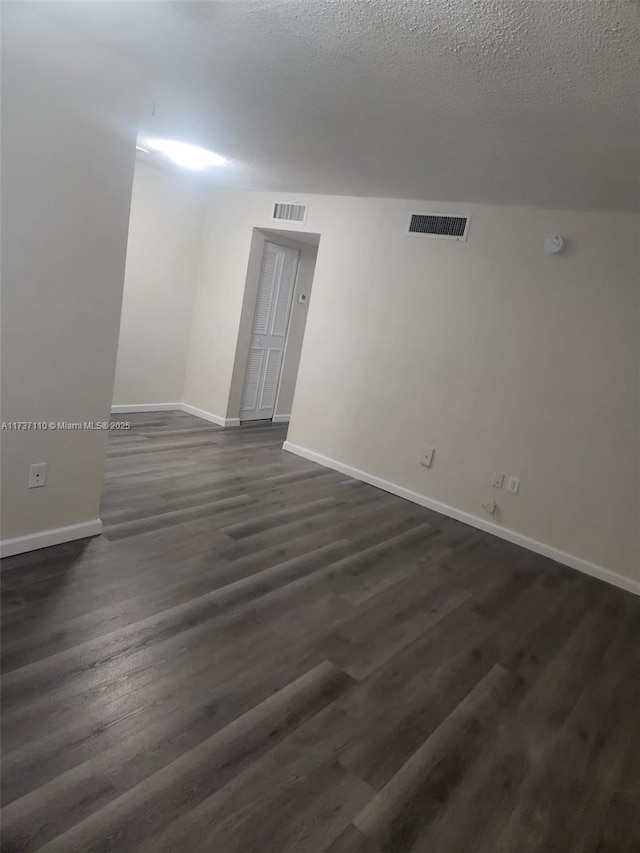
[490,506]
[37,475]
[513,485]
[427,457]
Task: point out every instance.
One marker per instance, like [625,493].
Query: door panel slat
[271,378]
[283,298]
[265,292]
[252,382]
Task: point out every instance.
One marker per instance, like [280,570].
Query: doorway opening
[269,333]
[274,314]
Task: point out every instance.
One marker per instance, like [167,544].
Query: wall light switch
[498,480]
[513,485]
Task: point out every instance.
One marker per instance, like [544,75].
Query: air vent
[439,225]
[289,212]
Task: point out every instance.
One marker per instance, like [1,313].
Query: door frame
[273,244]
[259,237]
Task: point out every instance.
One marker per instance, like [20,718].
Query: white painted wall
[220,290]
[163,253]
[69,120]
[500,356]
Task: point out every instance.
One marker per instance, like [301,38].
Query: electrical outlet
[490,506]
[513,485]
[498,480]
[37,475]
[427,457]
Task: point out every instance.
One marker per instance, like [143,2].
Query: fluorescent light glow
[189,156]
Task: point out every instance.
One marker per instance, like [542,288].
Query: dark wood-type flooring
[262,656]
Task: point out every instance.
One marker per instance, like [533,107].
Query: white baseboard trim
[281,419]
[209,416]
[176,407]
[46,538]
[474,521]
[145,407]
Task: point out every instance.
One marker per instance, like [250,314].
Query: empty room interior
[320,447]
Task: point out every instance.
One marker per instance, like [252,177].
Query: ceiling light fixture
[189,156]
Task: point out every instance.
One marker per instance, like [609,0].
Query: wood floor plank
[396,817]
[301,817]
[184,782]
[572,732]
[165,714]
[351,840]
[315,744]
[146,655]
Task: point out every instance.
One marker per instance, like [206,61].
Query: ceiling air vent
[439,225]
[289,212]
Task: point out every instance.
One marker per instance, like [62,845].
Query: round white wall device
[553,245]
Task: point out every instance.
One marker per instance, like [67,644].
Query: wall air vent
[289,212]
[440,225]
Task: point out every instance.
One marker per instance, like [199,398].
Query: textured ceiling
[531,102]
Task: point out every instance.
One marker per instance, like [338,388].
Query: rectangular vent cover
[439,225]
[289,212]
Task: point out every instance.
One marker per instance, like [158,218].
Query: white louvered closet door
[270,325]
